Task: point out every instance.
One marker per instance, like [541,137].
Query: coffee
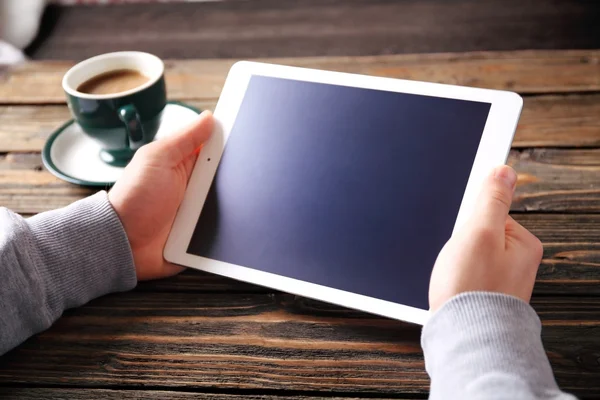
[116,81]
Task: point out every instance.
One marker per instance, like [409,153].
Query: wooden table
[201,336]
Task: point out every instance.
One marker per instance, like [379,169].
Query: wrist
[86,239]
[491,332]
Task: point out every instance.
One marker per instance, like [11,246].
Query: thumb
[183,143]
[493,203]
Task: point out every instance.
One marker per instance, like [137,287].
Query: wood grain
[199,332]
[276,342]
[8,393]
[571,261]
[318,27]
[559,121]
[554,121]
[550,180]
[26,187]
[520,71]
[557,180]
[570,266]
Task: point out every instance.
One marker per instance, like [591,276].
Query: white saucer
[71,155]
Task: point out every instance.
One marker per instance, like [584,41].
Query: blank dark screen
[351,188]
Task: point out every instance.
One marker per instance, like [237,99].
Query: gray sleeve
[483,345]
[58,260]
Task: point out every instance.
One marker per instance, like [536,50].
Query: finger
[189,163]
[493,203]
[182,144]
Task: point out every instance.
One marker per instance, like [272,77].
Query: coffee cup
[117,99]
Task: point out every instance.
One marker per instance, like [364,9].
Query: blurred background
[77,29]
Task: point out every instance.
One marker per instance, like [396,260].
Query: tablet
[338,187]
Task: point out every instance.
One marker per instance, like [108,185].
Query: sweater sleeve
[58,260]
[483,345]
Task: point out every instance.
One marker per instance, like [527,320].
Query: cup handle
[131,118]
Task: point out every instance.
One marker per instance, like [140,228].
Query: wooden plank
[317,27]
[273,342]
[11,393]
[26,187]
[550,180]
[522,71]
[570,266]
[557,180]
[553,121]
[571,262]
[559,121]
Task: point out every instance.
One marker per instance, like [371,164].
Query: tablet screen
[350,188]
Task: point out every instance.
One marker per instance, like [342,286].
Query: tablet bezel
[492,151]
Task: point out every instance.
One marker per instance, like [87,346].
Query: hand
[491,252]
[150,191]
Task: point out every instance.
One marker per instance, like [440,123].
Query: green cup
[124,121]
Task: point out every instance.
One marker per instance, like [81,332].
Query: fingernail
[507,175]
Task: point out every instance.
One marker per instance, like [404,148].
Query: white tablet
[339,187]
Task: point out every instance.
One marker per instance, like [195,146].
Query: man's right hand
[491,252]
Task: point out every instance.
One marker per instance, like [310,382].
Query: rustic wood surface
[557,121]
[556,71]
[9,393]
[197,335]
[550,180]
[569,267]
[263,28]
[268,342]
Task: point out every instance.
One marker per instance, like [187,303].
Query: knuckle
[499,196]
[145,151]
